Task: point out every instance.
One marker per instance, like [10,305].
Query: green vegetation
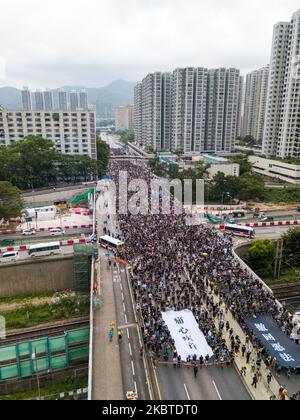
[103,153]
[30,316]
[22,298]
[246,187]
[247,141]
[106,123]
[261,255]
[10,201]
[149,149]
[70,383]
[34,163]
[261,258]
[127,136]
[157,167]
[245,165]
[291,245]
[290,160]
[288,275]
[287,195]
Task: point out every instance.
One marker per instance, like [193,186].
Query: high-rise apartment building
[73,133]
[124,117]
[282,125]
[189,96]
[83,99]
[26,99]
[255,104]
[240,107]
[222,110]
[152,111]
[138,114]
[193,110]
[74,102]
[62,100]
[48,100]
[39,100]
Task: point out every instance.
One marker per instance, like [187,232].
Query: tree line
[248,186]
[34,163]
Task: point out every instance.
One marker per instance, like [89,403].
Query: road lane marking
[130,350]
[123,297]
[124,308]
[132,367]
[187,393]
[216,388]
[135,387]
[126,320]
[128,334]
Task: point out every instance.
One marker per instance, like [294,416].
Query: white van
[9,256]
[57,232]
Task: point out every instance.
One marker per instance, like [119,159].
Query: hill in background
[105,99]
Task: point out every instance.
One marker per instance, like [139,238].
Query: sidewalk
[262,392]
[107,374]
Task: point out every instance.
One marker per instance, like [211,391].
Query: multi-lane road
[19,237]
[213,383]
[274,232]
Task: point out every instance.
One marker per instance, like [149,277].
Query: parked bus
[111,243]
[236,230]
[43,250]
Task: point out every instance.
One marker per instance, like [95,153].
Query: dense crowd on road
[178,266]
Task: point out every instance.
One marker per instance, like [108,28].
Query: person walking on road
[120,334]
[269,379]
[111,335]
[248,355]
[254,381]
[195,371]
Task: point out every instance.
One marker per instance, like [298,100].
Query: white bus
[42,250]
[111,243]
[236,230]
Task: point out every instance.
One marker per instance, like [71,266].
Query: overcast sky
[93,42]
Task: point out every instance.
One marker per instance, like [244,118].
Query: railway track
[47,331]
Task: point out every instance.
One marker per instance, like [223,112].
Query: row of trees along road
[34,163]
[248,186]
[262,253]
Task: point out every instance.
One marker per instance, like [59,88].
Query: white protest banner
[189,339]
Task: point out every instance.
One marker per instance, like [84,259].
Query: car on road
[9,256]
[28,232]
[57,232]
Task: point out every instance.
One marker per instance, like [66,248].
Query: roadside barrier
[21,248]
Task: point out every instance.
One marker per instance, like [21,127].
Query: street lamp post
[223,195]
[34,358]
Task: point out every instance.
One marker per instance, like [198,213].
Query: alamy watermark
[2,328]
[159,196]
[296,67]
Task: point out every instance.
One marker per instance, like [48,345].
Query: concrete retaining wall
[37,277]
[50,197]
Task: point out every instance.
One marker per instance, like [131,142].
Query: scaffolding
[82,267]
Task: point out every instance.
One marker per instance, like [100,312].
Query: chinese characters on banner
[184,329]
[279,345]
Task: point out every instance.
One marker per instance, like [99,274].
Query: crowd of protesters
[180,266]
